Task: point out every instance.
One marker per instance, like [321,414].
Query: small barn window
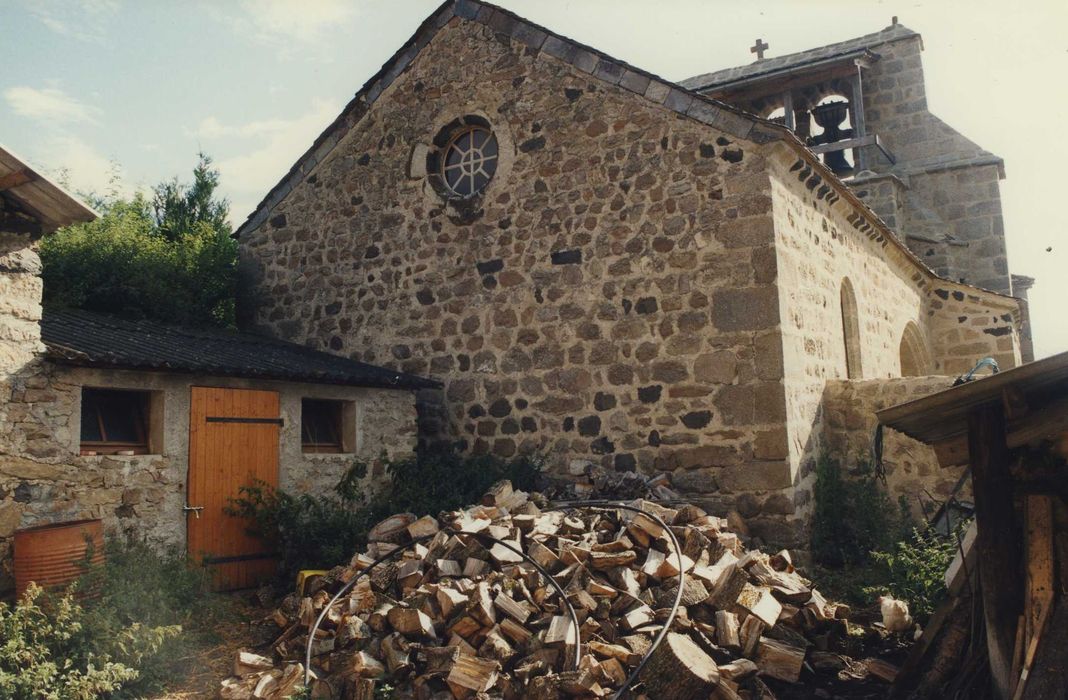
[322,426]
[115,422]
[851,331]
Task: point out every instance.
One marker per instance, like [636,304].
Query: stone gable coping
[724,117]
[586,59]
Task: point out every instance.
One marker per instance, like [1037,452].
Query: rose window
[470,161]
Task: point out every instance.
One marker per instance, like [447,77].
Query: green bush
[50,649]
[309,532]
[171,259]
[319,532]
[429,483]
[914,570]
[868,547]
[853,516]
[144,614]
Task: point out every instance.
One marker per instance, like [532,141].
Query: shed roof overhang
[32,203]
[1034,398]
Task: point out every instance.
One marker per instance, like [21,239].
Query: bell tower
[861,105]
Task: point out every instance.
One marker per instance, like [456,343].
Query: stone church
[611,268]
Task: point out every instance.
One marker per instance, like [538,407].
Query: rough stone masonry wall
[612,302]
[891,293]
[20,302]
[44,479]
[965,325]
[912,470]
[818,249]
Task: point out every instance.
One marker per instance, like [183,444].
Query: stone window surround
[169,413]
[422,165]
[851,330]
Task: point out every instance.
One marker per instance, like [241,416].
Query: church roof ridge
[768,66]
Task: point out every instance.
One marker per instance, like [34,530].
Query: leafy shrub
[853,516]
[913,570]
[428,483]
[50,650]
[324,531]
[309,532]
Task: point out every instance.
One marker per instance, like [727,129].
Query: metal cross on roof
[759,48]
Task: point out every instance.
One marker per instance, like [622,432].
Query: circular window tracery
[470,160]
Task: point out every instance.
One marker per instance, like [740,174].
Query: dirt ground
[212,663]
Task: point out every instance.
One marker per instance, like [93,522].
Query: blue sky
[145,84]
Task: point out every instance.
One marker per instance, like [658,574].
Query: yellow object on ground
[304,576]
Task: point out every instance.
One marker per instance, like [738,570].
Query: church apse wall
[610,299]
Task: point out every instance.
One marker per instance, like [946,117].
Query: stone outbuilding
[153,428]
[601,265]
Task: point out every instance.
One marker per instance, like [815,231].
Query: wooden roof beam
[14,179]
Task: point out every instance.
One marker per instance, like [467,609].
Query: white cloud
[248,176]
[49,104]
[81,19]
[277,21]
[212,128]
[79,166]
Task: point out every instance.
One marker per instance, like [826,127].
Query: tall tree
[179,208]
[171,259]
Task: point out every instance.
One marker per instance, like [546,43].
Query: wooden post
[997,540]
[788,108]
[859,128]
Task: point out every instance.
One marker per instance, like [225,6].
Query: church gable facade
[598,265]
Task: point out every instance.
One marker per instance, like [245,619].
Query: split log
[727,630]
[411,623]
[779,660]
[679,670]
[246,662]
[473,673]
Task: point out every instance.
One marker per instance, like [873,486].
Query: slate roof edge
[781,71]
[587,59]
[73,358]
[799,59]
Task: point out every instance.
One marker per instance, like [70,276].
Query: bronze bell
[830,117]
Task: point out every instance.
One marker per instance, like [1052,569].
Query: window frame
[338,409]
[488,164]
[142,422]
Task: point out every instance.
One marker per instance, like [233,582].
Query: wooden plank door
[233,442]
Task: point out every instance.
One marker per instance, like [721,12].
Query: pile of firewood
[459,613]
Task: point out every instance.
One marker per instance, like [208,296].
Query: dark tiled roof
[778,64]
[96,340]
